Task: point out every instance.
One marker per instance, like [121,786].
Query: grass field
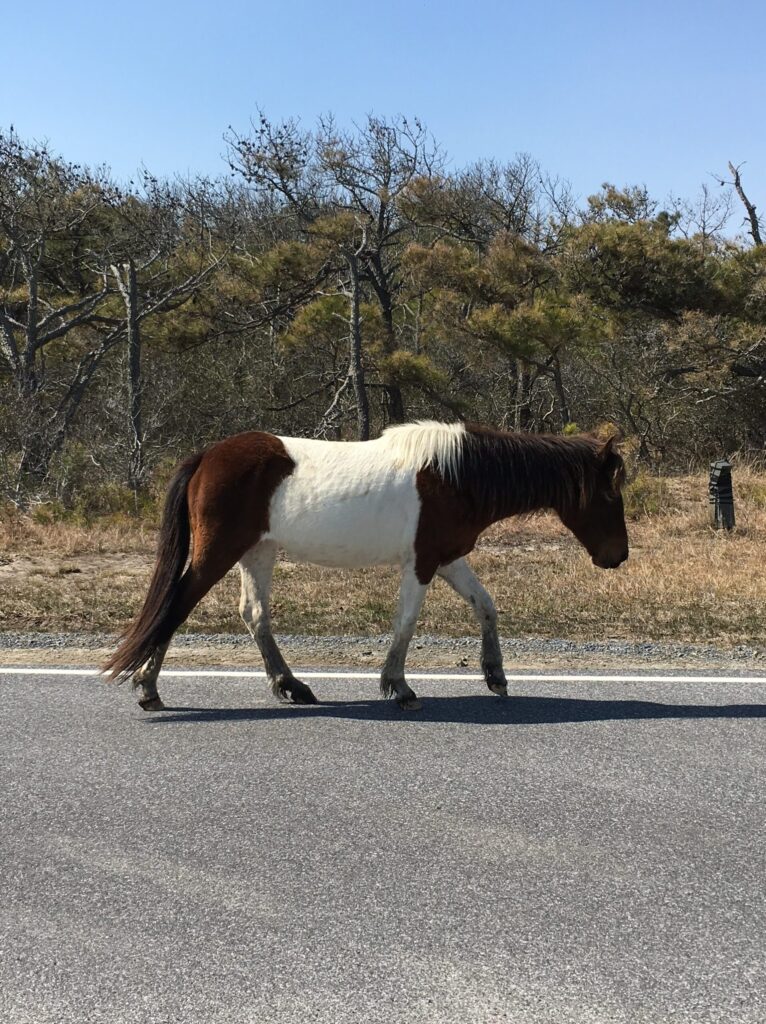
[683,581]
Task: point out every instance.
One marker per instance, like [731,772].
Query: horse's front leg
[461,578]
[256,568]
[392,681]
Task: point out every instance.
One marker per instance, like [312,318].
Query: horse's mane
[507,473]
[504,473]
[427,443]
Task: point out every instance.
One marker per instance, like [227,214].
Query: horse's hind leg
[392,680]
[207,567]
[256,568]
[145,680]
[462,579]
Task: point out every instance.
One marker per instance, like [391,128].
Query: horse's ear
[609,455]
[608,447]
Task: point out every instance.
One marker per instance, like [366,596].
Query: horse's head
[598,521]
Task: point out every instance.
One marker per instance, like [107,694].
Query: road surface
[585,851]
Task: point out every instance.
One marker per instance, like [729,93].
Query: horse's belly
[349,528]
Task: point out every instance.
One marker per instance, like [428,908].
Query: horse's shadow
[478,709]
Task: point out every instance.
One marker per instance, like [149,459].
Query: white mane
[426,443]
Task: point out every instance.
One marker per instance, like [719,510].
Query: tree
[72,245]
[752,216]
[486,247]
[370,170]
[340,188]
[164,244]
[54,286]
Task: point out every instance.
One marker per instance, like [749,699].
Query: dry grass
[683,581]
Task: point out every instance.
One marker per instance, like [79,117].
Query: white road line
[437,676]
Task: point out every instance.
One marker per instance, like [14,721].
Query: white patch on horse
[355,503]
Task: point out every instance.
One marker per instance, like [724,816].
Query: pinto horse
[418,497]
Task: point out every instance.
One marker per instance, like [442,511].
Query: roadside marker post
[721,495]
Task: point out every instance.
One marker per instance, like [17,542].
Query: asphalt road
[579,852]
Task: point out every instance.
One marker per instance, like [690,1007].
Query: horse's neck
[507,475]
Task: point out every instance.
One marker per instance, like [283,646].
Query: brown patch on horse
[219,500]
[448,526]
[230,496]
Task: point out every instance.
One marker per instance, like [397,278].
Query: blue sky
[654,93]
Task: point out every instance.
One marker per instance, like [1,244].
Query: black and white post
[721,495]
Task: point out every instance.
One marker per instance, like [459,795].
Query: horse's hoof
[304,696]
[501,689]
[152,704]
[410,704]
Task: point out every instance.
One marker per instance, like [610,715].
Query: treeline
[333,282]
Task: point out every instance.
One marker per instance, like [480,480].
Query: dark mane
[507,473]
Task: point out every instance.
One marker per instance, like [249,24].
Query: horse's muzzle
[609,563]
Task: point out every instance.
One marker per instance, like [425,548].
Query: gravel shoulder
[196,650]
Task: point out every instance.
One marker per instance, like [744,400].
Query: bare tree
[752,216]
[54,286]
[71,242]
[163,250]
[368,170]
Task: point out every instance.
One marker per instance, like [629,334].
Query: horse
[417,497]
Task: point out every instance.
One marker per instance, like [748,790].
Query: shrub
[749,488]
[49,512]
[646,495]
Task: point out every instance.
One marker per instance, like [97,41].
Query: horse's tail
[154,624]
